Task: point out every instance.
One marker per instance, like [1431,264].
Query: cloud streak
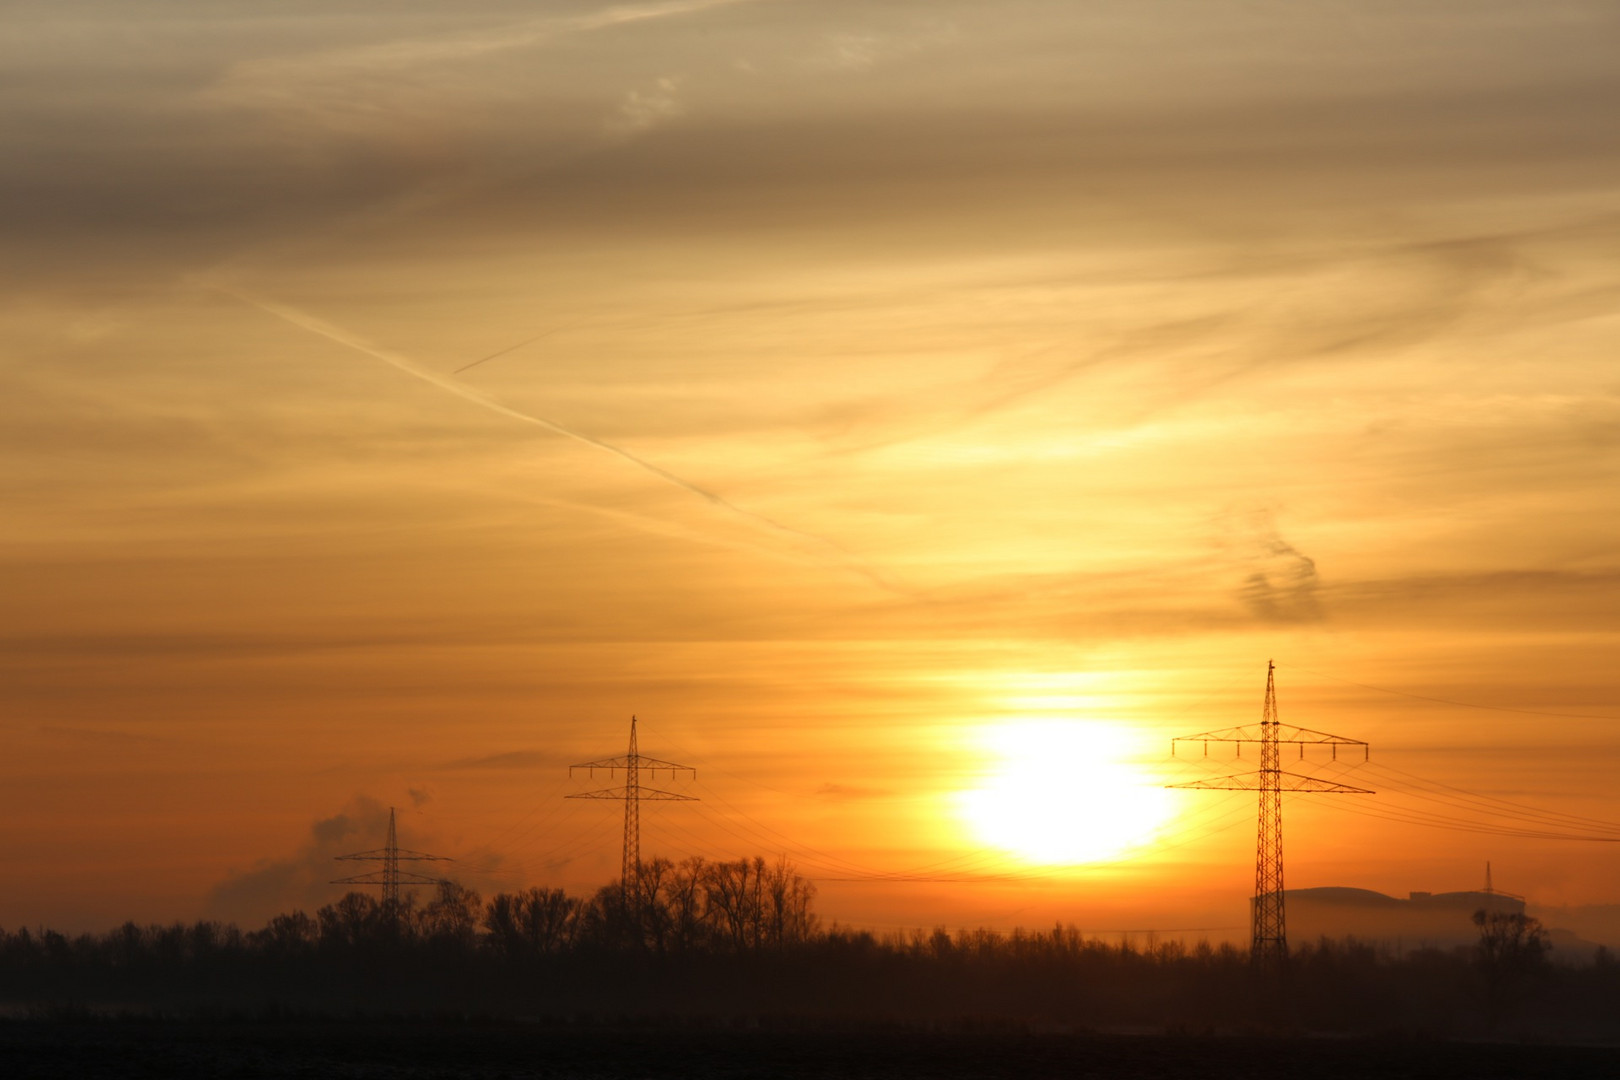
[328,76]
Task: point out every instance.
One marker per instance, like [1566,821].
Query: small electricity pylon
[1269,941]
[390,877]
[1491,890]
[632,793]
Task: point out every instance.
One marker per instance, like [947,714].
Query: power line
[1485,802]
[1459,704]
[1440,821]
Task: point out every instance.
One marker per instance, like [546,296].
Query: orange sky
[874,380]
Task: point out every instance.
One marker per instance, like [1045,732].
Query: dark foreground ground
[416,1049]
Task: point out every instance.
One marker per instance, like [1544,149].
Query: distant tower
[632,793]
[1268,945]
[1507,897]
[390,876]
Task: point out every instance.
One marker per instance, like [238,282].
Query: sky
[916,414]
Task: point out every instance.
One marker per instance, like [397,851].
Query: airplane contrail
[508,349]
[322,328]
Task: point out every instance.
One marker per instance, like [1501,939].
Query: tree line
[740,939]
[697,905]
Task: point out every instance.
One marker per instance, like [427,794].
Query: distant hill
[1423,920]
[1598,923]
[1440,920]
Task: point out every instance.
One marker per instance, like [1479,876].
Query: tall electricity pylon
[1269,941]
[632,793]
[390,876]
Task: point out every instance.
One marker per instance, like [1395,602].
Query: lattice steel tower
[390,877]
[1269,940]
[632,792]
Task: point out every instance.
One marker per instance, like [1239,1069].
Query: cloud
[643,109]
[852,50]
[511,759]
[821,550]
[1559,599]
[304,879]
[1285,589]
[360,85]
[1281,584]
[849,50]
[96,735]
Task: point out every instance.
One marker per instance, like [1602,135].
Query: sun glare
[1064,793]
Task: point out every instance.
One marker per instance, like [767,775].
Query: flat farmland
[366,1048]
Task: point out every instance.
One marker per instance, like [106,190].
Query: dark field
[405,1049]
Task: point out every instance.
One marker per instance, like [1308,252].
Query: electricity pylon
[1491,890]
[632,793]
[390,876]
[1269,941]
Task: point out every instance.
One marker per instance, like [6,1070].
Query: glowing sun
[1064,793]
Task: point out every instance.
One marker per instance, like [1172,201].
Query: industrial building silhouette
[1422,920]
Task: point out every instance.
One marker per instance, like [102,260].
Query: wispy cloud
[347,80]
[831,553]
[1279,582]
[643,109]
[100,735]
[1283,588]
[856,50]
[852,50]
[510,759]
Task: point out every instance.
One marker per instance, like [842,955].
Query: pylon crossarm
[605,793]
[643,793]
[376,877]
[654,795]
[1279,781]
[659,763]
[623,763]
[605,763]
[408,878]
[420,856]
[1286,733]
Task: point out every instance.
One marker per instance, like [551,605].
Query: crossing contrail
[315,325]
[503,352]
